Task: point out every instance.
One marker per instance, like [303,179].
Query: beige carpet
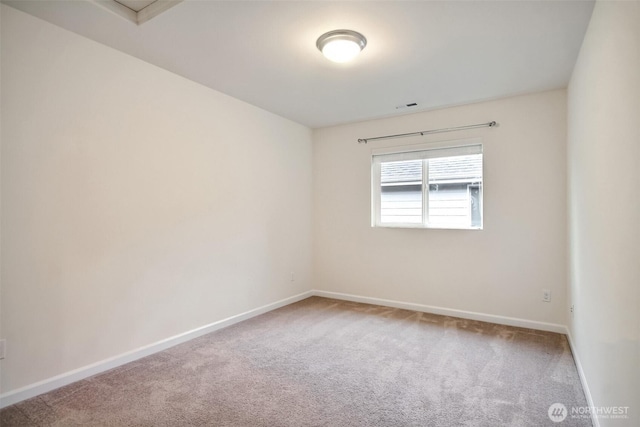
[322,362]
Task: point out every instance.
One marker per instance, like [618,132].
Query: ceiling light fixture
[341,45]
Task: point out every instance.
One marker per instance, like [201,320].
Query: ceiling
[433,53]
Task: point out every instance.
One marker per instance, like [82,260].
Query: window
[430,188]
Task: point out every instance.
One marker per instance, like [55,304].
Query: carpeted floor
[322,362]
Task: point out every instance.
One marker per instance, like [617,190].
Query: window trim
[376,193]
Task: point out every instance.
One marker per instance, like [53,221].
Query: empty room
[319,213]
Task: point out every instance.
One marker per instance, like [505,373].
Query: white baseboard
[47,385]
[491,318]
[583,378]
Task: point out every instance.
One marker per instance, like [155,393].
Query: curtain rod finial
[362,140]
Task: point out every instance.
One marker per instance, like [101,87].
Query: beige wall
[500,270]
[136,205]
[604,204]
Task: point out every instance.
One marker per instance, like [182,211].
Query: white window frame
[416,152]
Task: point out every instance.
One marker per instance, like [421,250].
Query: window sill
[423,227]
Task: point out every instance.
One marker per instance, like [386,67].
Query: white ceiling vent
[137,11]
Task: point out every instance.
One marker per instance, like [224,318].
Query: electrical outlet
[546,295]
[3,348]
[572,309]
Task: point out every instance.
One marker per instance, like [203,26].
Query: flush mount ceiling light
[341,45]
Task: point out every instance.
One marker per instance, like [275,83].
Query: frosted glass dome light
[341,45]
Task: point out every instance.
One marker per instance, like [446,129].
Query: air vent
[136,11]
[403,106]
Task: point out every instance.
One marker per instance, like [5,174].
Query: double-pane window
[435,188]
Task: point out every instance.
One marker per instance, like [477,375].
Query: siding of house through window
[454,193]
[401,192]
